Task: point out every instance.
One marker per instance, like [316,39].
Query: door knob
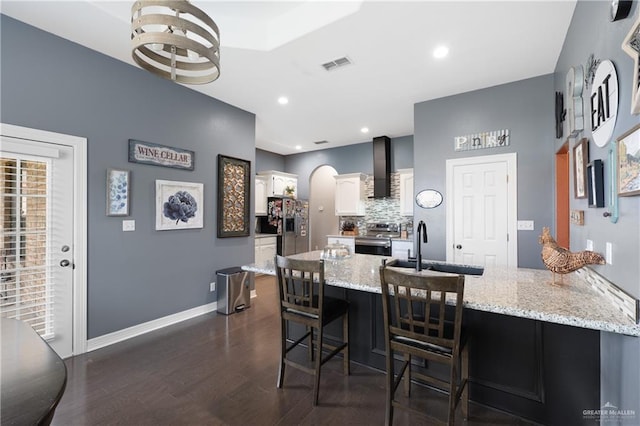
[459,247]
[64,263]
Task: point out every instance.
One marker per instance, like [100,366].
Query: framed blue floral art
[179,205]
[118,192]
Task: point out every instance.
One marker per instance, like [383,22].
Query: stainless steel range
[377,239]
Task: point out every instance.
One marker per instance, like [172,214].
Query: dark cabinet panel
[544,372]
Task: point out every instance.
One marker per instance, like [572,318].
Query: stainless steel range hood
[381,167]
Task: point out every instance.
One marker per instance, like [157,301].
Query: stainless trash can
[234,293]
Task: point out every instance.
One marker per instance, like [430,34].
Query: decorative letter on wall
[604,103]
[574,86]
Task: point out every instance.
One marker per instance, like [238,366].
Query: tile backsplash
[380,209]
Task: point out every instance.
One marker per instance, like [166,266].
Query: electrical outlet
[128,225]
[212,286]
[589,245]
[609,254]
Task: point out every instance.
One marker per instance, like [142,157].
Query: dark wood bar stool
[416,326]
[302,301]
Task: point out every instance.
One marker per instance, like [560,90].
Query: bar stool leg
[283,351]
[316,386]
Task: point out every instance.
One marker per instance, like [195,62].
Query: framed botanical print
[179,205]
[580,160]
[118,192]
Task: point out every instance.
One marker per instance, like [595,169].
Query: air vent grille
[321,142]
[336,63]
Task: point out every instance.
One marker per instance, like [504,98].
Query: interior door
[481,211]
[36,238]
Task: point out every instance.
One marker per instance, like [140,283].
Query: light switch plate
[525,225]
[609,254]
[212,286]
[589,245]
[128,225]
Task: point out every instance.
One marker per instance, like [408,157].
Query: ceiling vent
[336,63]
[321,142]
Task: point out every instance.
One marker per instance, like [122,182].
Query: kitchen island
[534,346]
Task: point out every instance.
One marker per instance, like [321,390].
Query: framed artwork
[629,162]
[234,196]
[118,192]
[631,46]
[179,205]
[580,159]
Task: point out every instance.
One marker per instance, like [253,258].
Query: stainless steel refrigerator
[288,218]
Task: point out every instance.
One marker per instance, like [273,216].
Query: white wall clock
[575,114]
[603,104]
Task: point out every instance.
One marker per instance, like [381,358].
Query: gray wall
[347,159]
[51,84]
[266,160]
[526,109]
[592,32]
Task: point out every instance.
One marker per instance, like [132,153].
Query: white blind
[25,268]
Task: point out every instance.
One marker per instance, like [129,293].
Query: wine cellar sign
[160,155]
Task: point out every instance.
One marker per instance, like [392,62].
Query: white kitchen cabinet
[261,196]
[277,182]
[265,249]
[350,194]
[347,241]
[406,192]
[400,249]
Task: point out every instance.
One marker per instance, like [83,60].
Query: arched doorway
[322,218]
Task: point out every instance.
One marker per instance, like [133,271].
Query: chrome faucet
[422,231]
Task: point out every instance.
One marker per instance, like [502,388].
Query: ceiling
[272,49]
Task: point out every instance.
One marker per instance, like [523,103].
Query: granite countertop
[519,292]
[342,236]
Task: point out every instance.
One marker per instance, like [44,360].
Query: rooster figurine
[562,261]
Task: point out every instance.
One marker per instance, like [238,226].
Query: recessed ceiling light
[298,147]
[283,100]
[440,52]
[365,130]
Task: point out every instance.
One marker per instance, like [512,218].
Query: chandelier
[175,40]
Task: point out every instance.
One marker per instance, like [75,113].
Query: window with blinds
[25,292]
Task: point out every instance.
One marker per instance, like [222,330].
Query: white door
[481,211]
[37,241]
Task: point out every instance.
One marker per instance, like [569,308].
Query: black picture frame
[234,197]
[595,183]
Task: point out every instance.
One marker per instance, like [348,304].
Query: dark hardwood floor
[219,370]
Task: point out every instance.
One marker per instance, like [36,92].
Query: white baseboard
[137,330]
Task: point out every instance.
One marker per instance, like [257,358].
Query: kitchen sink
[451,268]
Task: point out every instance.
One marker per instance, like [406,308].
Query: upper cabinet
[406,192]
[278,182]
[350,194]
[261,195]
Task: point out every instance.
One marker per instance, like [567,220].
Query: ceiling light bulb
[365,130]
[282,100]
[298,147]
[440,52]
